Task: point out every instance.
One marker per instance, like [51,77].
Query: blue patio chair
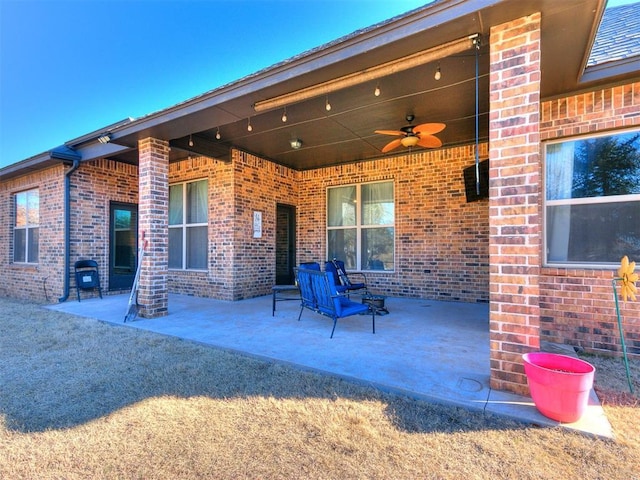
[342,281]
[307,298]
[318,293]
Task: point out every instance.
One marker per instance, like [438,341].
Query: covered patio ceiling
[345,134]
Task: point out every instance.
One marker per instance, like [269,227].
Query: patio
[436,351]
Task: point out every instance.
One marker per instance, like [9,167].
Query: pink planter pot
[560,385]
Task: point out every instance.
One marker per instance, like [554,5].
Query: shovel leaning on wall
[133,307]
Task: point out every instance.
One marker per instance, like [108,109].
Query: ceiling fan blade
[390,132]
[429,128]
[391,145]
[429,141]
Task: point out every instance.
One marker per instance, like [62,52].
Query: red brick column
[514,208]
[153,220]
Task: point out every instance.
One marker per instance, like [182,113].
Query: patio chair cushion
[310,266]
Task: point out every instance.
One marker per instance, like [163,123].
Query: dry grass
[82,399]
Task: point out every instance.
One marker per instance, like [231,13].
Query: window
[188,238]
[592,200]
[26,227]
[363,237]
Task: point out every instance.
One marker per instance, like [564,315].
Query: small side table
[376,303]
[278,291]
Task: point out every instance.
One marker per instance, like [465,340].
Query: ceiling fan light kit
[409,141]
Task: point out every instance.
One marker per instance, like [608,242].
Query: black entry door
[285,244]
[123,235]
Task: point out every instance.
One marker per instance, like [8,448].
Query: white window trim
[359,226]
[184,226]
[578,201]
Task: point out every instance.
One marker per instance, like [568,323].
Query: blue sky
[69,67]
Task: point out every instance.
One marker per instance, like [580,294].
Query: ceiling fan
[411,136]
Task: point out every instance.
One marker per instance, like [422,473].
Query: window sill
[20,265]
[185,270]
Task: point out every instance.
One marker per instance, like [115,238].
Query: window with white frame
[26,227]
[592,200]
[188,225]
[361,225]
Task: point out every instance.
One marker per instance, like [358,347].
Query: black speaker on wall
[470,181]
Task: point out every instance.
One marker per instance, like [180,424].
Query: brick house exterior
[570,294]
[445,249]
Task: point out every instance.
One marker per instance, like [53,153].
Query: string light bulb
[438,74]
[218,136]
[377,91]
[284,115]
[327,105]
[249,127]
[190,141]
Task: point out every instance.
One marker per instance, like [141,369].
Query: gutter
[65,153]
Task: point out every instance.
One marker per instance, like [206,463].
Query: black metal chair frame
[87,276]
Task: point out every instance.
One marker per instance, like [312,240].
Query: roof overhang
[617,71]
[341,72]
[62,154]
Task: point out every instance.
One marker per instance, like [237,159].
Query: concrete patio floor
[436,351]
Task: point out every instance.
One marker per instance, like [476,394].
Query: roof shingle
[618,37]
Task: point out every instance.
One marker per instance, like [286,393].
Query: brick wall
[577,305]
[259,185]
[44,281]
[441,240]
[217,282]
[94,185]
[515,197]
[240,266]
